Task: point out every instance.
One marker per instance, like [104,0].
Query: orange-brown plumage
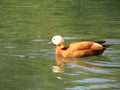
[77,49]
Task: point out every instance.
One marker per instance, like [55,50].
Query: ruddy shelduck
[78,49]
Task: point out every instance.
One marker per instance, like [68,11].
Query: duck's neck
[62,46]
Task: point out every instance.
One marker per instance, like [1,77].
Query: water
[27,62]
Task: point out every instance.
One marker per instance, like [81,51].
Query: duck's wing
[81,45]
[100,42]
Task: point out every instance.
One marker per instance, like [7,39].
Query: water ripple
[93,80]
[38,40]
[10,46]
[100,86]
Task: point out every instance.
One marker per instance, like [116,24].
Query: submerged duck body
[77,49]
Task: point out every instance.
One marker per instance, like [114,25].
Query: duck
[78,49]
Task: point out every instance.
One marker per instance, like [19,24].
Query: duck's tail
[100,42]
[104,44]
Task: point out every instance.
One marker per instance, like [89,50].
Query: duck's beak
[50,43]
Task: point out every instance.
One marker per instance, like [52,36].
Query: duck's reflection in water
[61,62]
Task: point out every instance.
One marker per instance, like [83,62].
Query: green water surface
[26,59]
